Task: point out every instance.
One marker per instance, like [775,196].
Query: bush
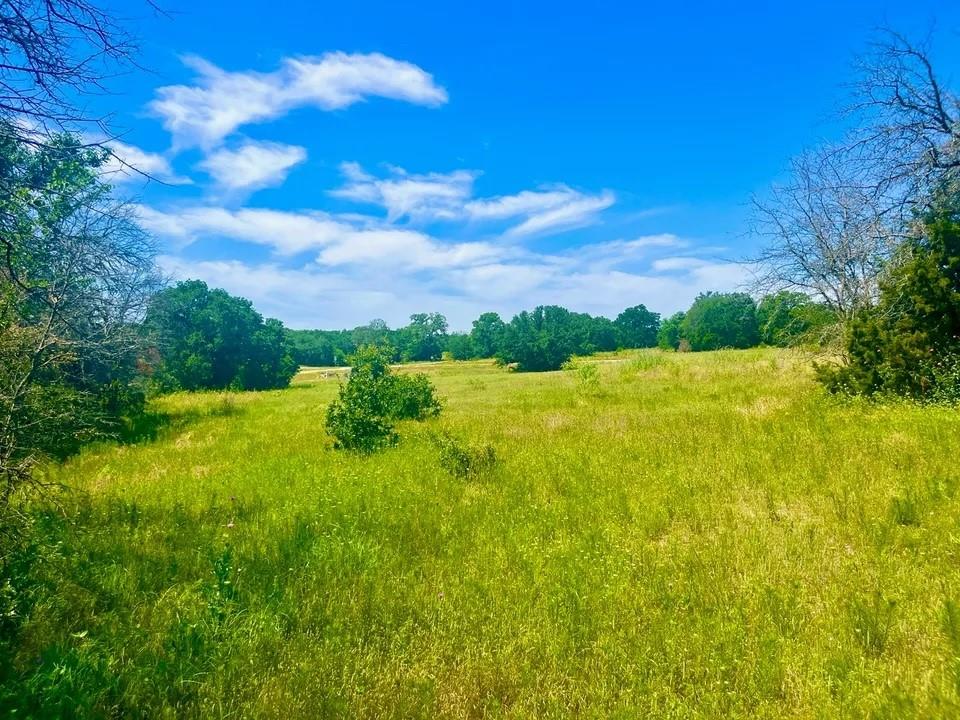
[361,417]
[909,343]
[461,460]
[413,397]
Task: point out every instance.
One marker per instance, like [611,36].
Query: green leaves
[361,416]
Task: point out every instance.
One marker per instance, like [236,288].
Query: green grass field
[695,535]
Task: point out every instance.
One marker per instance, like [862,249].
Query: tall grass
[709,536]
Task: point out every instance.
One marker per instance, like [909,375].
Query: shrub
[587,375]
[909,343]
[462,460]
[413,397]
[361,417]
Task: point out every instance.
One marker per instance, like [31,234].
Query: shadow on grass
[151,424]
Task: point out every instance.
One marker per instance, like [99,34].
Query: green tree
[487,334]
[460,346]
[637,327]
[75,273]
[543,339]
[210,339]
[423,338]
[788,318]
[668,336]
[721,320]
[909,344]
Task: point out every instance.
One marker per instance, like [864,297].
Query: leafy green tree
[543,339]
[210,339]
[721,320]
[909,344]
[460,346]
[637,327]
[487,334]
[668,336]
[75,273]
[788,318]
[376,332]
[423,338]
[311,347]
[600,332]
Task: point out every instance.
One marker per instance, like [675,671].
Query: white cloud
[128,162]
[253,165]
[576,213]
[420,197]
[220,102]
[338,242]
[439,196]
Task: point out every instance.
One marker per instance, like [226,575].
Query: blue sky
[338,162]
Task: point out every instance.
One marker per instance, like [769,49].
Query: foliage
[208,339]
[637,327]
[909,344]
[721,320]
[361,418]
[790,318]
[668,336]
[548,336]
[75,274]
[462,460]
[423,338]
[460,346]
[487,334]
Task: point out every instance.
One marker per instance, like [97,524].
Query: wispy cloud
[430,196]
[336,241]
[219,101]
[577,212]
[449,196]
[340,271]
[252,165]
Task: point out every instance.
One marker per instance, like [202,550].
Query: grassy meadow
[676,535]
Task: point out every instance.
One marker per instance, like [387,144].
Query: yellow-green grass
[696,535]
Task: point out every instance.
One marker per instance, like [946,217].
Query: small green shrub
[361,416]
[462,460]
[413,398]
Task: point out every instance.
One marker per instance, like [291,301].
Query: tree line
[546,337]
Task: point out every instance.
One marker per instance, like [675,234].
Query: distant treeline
[546,337]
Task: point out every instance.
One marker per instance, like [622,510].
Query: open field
[698,535]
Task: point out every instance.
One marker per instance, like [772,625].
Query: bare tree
[906,137]
[824,236]
[833,228]
[52,54]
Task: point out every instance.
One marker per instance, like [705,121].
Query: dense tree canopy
[210,339]
[487,334]
[721,320]
[423,338]
[637,327]
[668,336]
